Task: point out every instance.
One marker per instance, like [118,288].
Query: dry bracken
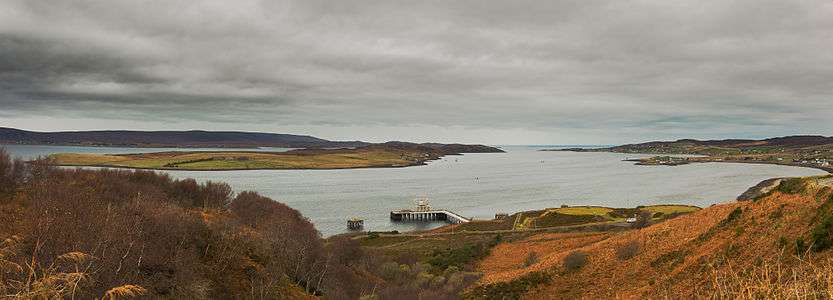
[125,291]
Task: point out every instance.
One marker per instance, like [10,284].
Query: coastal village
[811,162]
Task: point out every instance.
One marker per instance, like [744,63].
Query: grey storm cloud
[605,68]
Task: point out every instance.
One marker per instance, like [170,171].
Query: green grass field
[580,215]
[671,208]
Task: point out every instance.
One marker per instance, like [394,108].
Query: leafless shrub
[575,260]
[643,219]
[628,250]
[12,172]
[531,259]
[215,194]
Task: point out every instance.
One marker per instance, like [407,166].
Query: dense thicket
[96,233]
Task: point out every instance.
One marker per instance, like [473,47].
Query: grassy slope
[680,257]
[671,208]
[577,215]
[221,160]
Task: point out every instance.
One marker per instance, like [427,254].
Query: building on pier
[422,204]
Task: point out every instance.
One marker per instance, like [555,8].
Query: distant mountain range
[194,138]
[215,139]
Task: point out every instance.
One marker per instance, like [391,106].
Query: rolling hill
[195,138]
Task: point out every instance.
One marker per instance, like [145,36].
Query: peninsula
[384,155]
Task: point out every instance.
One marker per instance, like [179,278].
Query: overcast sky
[478,71]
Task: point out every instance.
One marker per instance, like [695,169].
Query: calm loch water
[480,185]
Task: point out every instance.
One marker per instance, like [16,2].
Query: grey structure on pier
[424,213]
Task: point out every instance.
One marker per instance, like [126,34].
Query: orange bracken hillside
[727,250]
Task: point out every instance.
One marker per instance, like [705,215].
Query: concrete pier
[406,215]
[424,213]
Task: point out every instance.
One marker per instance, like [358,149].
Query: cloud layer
[483,71]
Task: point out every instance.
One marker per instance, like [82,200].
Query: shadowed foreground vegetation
[72,233]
